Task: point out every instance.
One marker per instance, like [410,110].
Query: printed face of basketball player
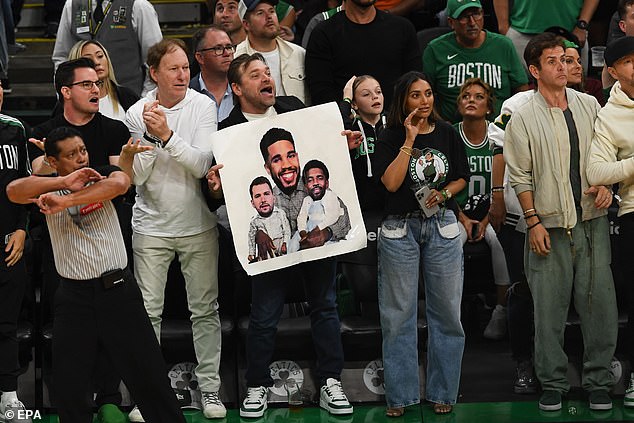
[262,199]
[316,183]
[283,165]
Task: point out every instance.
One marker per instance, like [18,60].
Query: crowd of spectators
[524,168]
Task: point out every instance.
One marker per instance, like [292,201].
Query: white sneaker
[135,416]
[333,399]
[213,408]
[12,411]
[628,400]
[255,402]
[496,329]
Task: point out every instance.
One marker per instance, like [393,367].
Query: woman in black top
[422,164]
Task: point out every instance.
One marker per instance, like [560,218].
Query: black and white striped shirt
[87,240]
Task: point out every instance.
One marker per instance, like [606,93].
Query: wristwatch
[581,24]
[156,140]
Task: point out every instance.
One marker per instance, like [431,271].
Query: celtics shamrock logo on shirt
[428,167]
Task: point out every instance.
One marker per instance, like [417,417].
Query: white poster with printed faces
[289,189]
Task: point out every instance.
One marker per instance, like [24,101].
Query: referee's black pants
[88,316]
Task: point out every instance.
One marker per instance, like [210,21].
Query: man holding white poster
[254,90]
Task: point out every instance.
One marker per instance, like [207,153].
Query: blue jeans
[268,297]
[408,245]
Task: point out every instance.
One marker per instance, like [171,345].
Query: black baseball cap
[618,49]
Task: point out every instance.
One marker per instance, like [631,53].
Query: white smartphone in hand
[421,196]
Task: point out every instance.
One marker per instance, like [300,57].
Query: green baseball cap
[456,7]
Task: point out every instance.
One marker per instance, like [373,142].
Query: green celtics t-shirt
[534,16]
[480,159]
[448,65]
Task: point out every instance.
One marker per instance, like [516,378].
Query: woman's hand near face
[411,130]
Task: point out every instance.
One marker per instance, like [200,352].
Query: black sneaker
[525,382]
[600,400]
[550,400]
[6,86]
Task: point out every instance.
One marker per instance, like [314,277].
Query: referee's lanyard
[95,26]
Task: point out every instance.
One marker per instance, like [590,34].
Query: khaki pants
[577,267]
[198,256]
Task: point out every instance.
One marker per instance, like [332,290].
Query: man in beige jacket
[567,254]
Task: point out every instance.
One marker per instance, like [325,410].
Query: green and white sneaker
[255,403]
[628,400]
[333,399]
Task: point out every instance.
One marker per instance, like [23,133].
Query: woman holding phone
[422,163]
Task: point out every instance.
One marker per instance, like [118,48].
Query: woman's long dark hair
[397,113]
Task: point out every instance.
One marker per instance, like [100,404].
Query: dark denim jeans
[520,301]
[268,296]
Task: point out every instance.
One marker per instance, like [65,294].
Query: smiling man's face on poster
[283,165]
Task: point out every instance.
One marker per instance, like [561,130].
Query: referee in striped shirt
[98,303]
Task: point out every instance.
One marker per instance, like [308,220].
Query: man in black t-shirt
[76,83]
[77,87]
[359,40]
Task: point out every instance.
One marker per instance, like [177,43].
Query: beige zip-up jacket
[292,66]
[612,153]
[537,153]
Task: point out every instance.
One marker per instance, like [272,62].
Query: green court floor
[480,412]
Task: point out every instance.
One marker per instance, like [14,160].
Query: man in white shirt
[170,216]
[612,161]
